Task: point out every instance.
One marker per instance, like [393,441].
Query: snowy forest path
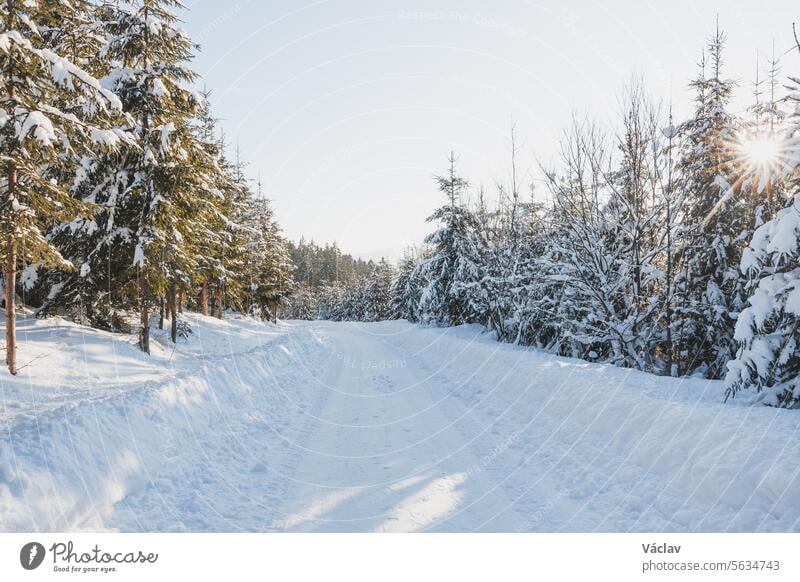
[395,427]
[383,456]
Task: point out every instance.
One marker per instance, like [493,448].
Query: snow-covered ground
[374,427]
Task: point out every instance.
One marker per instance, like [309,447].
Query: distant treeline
[316,266]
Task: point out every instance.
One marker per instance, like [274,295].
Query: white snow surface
[321,426]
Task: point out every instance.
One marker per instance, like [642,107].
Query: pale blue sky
[347,108]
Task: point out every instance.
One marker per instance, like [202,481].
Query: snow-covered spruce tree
[242,258]
[355,301]
[304,258]
[709,287]
[301,304]
[531,297]
[84,293]
[350,301]
[159,202]
[329,266]
[267,266]
[232,286]
[378,294]
[541,301]
[105,287]
[50,111]
[277,284]
[509,271]
[406,288]
[509,244]
[768,329]
[76,32]
[197,176]
[451,273]
[329,300]
[220,244]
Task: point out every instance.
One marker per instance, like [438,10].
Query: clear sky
[348,108]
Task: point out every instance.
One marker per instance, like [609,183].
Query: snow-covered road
[383,455]
[361,443]
[391,427]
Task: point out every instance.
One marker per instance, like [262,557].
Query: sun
[761,150]
[760,157]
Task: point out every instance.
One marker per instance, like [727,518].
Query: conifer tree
[267,264]
[377,293]
[452,271]
[159,202]
[768,329]
[49,106]
[708,285]
[406,289]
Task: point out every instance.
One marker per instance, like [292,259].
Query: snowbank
[91,419]
[671,447]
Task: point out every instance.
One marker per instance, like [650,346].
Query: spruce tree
[452,271]
[159,203]
[709,288]
[267,266]
[49,107]
[378,293]
[406,289]
[768,329]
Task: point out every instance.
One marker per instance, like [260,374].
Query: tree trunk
[204,298]
[11,257]
[173,293]
[180,301]
[144,314]
[219,302]
[669,298]
[88,307]
[162,313]
[11,308]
